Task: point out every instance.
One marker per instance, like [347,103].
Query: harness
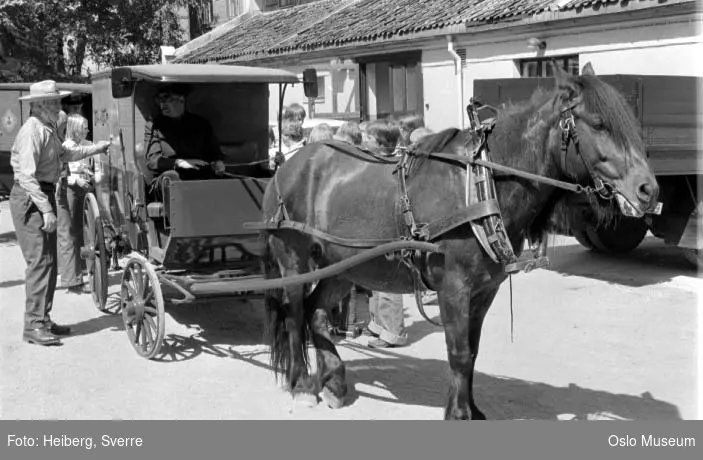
[481,208]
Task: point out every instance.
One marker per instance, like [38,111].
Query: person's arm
[25,156]
[156,159]
[73,152]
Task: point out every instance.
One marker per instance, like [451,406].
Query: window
[201,16]
[541,67]
[235,8]
[392,86]
[338,93]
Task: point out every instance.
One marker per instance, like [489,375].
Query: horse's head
[605,133]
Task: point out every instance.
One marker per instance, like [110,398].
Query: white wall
[347,97]
[653,47]
[682,60]
[440,90]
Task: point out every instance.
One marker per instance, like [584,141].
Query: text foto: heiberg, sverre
[49,440]
[650,441]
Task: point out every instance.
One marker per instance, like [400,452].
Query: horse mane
[615,113]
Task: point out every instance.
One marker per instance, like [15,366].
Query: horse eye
[598,124]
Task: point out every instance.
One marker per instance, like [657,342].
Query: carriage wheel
[94,251]
[142,307]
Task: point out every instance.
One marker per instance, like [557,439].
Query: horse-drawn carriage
[196,244]
[446,215]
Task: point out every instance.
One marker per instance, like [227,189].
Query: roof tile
[334,23]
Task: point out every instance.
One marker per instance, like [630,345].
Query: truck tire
[694,256]
[582,237]
[622,238]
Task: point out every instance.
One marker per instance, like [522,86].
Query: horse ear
[588,70]
[564,81]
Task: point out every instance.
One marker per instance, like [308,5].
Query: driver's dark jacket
[188,137]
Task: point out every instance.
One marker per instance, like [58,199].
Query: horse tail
[276,331]
[280,319]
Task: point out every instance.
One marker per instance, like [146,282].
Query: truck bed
[666,106]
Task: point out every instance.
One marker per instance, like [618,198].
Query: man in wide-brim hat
[36,158]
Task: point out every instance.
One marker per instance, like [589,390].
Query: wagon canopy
[206,73]
[83,88]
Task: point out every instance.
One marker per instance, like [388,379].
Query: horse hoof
[331,399]
[305,399]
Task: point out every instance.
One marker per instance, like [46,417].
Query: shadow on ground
[8,238]
[219,325]
[651,263]
[425,382]
[11,283]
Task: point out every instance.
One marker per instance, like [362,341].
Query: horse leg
[453,296]
[463,317]
[331,371]
[480,304]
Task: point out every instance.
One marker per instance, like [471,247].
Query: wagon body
[671,121]
[204,229]
[202,241]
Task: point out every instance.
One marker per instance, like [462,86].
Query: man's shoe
[366,332]
[380,343]
[59,330]
[69,286]
[40,336]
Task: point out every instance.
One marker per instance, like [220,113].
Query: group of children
[386,328]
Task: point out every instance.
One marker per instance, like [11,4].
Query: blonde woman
[69,197]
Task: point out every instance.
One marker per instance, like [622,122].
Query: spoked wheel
[94,251]
[142,307]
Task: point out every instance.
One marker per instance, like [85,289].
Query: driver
[179,145]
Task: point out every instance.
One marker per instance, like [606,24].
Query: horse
[343,196]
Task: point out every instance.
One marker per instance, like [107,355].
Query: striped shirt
[37,156]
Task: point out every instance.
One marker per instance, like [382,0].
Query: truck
[671,123]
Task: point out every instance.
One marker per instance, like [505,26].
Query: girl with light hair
[77,179]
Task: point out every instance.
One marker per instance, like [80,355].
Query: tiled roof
[573,4]
[261,32]
[327,24]
[371,20]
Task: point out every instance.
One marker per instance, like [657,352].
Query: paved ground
[594,338]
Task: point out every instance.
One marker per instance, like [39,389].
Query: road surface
[594,338]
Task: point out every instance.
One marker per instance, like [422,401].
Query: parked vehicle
[671,122]
[13,114]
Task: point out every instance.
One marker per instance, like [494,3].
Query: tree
[53,38]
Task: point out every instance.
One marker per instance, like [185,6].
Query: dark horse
[349,198]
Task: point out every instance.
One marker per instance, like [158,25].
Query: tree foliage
[57,38]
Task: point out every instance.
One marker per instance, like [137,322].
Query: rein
[568,136]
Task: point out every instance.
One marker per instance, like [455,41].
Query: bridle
[569,135]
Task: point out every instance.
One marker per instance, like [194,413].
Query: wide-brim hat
[44,90]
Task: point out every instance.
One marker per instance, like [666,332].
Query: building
[377,58]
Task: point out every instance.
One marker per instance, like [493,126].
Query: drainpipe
[459,71]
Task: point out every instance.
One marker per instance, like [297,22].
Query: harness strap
[464,215]
[464,160]
[288,224]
